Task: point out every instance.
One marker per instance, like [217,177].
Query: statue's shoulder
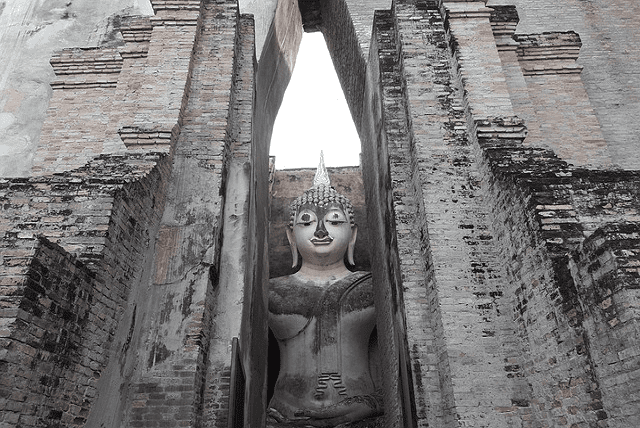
[283,280]
[359,292]
[360,276]
[357,280]
[289,295]
[289,282]
[285,284]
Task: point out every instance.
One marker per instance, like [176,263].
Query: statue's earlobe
[352,245]
[293,246]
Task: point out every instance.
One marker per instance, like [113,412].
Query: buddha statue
[322,317]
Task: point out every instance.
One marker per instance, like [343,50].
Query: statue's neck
[322,273]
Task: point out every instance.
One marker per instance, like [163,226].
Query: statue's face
[322,234]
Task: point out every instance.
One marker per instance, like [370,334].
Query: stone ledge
[504,20]
[172,18]
[135,50]
[543,69]
[136,32]
[509,131]
[136,29]
[78,61]
[84,84]
[465,10]
[86,68]
[549,53]
[159,5]
[158,137]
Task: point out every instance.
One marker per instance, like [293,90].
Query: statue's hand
[351,409]
[274,416]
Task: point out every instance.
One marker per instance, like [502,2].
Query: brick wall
[347,54]
[107,99]
[384,135]
[605,269]
[564,286]
[48,371]
[77,121]
[232,285]
[180,374]
[609,54]
[563,118]
[534,207]
[64,300]
[538,224]
[514,339]
[469,378]
[108,214]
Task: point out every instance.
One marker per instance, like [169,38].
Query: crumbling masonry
[502,217]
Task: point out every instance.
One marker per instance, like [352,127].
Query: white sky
[314,115]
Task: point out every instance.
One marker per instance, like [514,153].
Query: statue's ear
[293,246]
[352,245]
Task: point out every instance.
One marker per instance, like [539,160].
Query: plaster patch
[43,34]
[15,145]
[6,120]
[145,7]
[11,100]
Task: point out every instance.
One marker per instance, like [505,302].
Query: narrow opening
[314,114]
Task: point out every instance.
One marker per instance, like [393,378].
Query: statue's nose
[321,231]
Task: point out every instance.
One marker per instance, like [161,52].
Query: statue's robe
[323,335]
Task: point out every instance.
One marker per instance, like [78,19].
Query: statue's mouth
[324,241]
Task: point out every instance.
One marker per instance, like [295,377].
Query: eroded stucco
[30,31]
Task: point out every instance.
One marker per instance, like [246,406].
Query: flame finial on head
[322,176]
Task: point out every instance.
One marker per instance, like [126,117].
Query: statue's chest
[293,305]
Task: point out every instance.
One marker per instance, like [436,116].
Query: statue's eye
[334,222]
[306,219]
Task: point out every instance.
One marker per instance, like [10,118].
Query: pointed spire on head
[322,176]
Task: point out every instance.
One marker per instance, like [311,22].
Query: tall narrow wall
[500,226]
[454,326]
[188,307]
[384,134]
